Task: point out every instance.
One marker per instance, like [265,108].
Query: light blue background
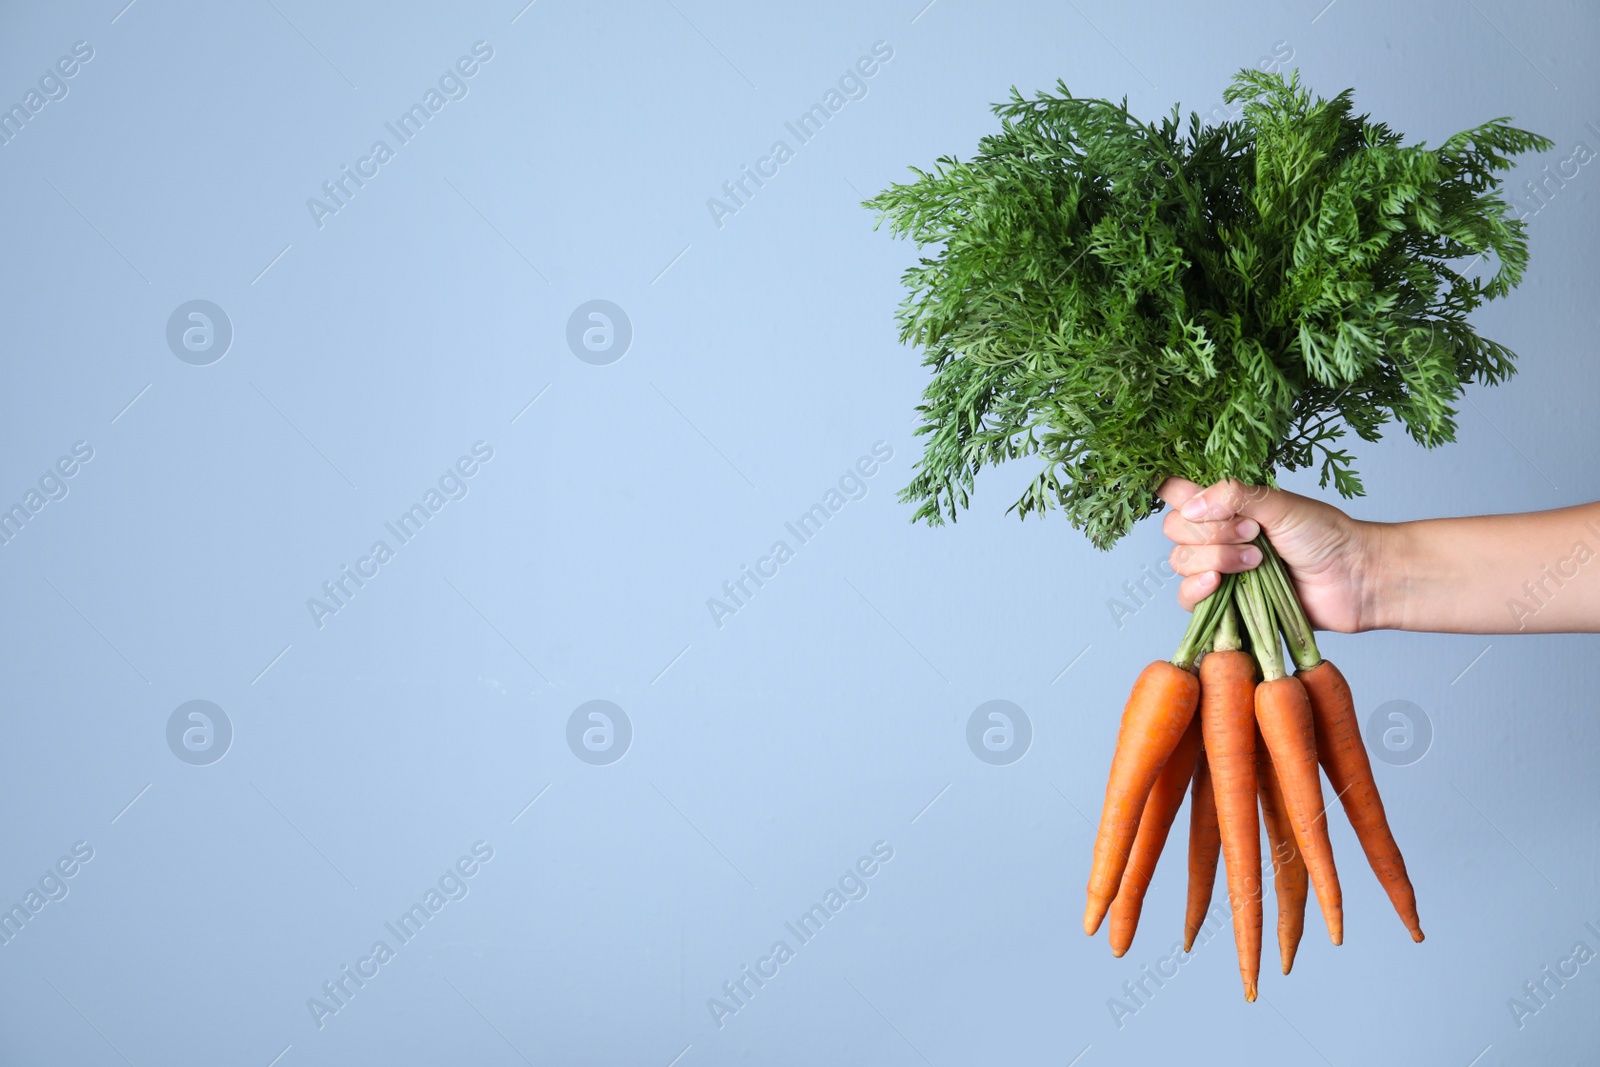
[769,754]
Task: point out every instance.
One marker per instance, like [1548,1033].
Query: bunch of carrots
[1237,731]
[1124,300]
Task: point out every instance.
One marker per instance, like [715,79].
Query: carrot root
[1205,849]
[1227,713]
[1344,757]
[1166,797]
[1283,711]
[1288,865]
[1158,712]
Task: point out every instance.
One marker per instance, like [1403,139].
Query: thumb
[1268,506]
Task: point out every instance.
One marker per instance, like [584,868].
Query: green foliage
[1129,300]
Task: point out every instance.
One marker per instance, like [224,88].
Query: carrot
[1227,684]
[1153,722]
[1288,864]
[1166,797]
[1205,846]
[1284,712]
[1344,757]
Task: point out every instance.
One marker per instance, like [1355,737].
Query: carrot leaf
[1122,300]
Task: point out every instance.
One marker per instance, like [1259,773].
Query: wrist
[1381,575]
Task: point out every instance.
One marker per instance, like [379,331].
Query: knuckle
[1228,560]
[1237,495]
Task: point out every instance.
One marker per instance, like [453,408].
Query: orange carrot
[1166,797]
[1344,757]
[1154,720]
[1205,846]
[1227,684]
[1288,865]
[1284,712]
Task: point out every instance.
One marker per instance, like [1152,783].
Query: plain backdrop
[767,750]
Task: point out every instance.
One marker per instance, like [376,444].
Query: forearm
[1532,573]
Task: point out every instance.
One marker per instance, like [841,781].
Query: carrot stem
[1203,624]
[1228,638]
[1292,619]
[1260,621]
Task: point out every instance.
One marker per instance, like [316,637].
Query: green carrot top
[1129,300]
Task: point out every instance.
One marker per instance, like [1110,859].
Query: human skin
[1537,572]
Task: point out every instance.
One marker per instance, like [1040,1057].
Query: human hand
[1329,555]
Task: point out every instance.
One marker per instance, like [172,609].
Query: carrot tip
[1119,952]
[1337,939]
[1416,935]
[1188,942]
[1250,994]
